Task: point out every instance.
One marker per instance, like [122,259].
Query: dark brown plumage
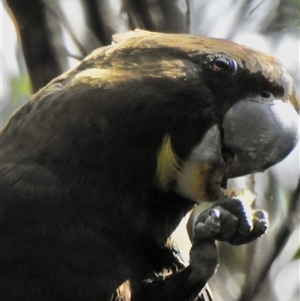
[101,165]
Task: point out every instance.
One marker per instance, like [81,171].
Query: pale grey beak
[259,134]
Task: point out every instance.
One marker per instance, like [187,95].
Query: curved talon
[260,227]
[215,213]
[209,228]
[260,214]
[229,219]
[260,222]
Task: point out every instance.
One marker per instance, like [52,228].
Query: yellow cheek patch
[168,164]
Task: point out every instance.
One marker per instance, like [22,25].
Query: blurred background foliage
[41,39]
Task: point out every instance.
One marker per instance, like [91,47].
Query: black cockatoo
[100,166]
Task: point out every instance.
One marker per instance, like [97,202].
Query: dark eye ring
[223,64]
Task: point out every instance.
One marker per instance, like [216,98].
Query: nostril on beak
[266,95]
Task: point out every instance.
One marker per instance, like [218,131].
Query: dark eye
[223,64]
